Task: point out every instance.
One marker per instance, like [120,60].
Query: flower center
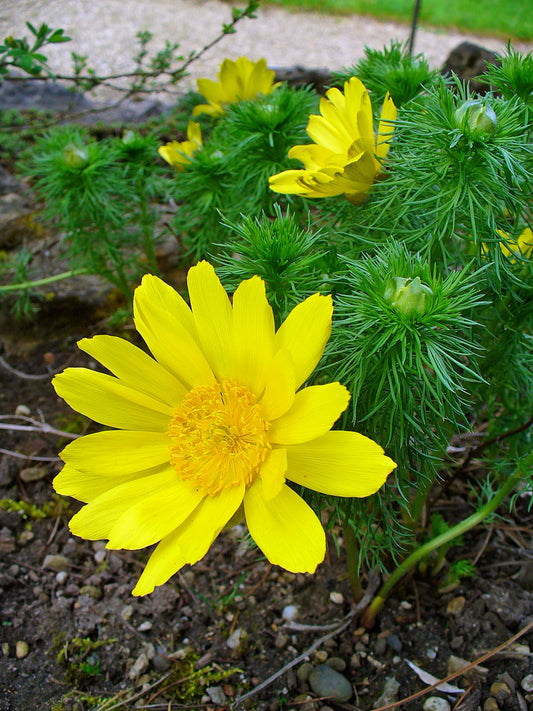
[218,437]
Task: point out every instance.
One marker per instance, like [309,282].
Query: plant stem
[352,561]
[21,286]
[457,530]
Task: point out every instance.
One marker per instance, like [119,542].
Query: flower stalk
[521,471]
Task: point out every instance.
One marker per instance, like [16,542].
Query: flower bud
[407,295]
[75,156]
[477,118]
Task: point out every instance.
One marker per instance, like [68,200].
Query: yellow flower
[237,81]
[344,158]
[522,247]
[209,429]
[177,153]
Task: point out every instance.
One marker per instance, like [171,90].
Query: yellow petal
[280,387]
[155,516]
[134,367]
[285,529]
[253,334]
[314,412]
[304,334]
[166,324]
[213,318]
[386,127]
[117,452]
[339,464]
[191,541]
[288,182]
[272,473]
[105,399]
[85,486]
[97,518]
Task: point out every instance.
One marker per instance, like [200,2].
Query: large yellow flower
[209,429]
[179,153]
[345,158]
[237,81]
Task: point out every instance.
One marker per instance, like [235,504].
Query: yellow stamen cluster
[219,437]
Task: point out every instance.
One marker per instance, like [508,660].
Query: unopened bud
[407,295]
[75,156]
[478,118]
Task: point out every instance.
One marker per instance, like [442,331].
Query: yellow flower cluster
[237,80]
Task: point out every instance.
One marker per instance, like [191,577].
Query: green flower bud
[75,156]
[407,295]
[478,118]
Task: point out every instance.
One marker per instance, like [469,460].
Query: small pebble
[126,612]
[56,562]
[431,652]
[238,640]
[216,695]
[500,690]
[140,665]
[21,649]
[5,648]
[30,474]
[436,703]
[62,576]
[13,570]
[22,411]
[321,655]
[491,704]
[290,612]
[92,591]
[304,671]
[336,598]
[100,556]
[325,681]
[336,663]
[394,642]
[527,683]
[145,626]
[389,695]
[456,605]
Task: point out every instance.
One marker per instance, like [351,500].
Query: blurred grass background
[510,19]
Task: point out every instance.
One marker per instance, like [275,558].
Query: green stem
[457,530]
[352,561]
[21,286]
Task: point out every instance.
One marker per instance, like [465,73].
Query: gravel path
[104,30]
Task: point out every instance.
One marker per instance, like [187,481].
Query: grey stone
[336,663]
[394,642]
[216,695]
[327,682]
[389,694]
[56,562]
[304,671]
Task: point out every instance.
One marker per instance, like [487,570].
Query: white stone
[290,612]
[436,703]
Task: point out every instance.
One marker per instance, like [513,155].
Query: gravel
[105,30]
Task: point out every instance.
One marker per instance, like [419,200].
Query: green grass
[509,19]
